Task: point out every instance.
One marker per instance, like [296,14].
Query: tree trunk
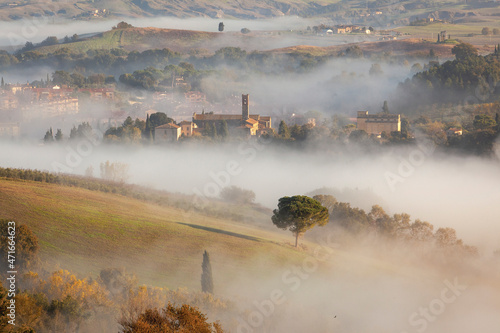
[296,239]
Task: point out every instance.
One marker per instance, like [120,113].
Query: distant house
[167,133]
[378,123]
[9,130]
[454,132]
[249,127]
[98,94]
[340,30]
[195,97]
[300,120]
[187,127]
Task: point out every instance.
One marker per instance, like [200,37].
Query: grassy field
[86,231]
[139,39]
[470,33]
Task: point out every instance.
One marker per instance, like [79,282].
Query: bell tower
[245,114]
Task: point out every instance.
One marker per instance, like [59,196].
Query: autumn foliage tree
[26,246]
[299,214]
[184,318]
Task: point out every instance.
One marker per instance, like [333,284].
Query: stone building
[167,133]
[378,123]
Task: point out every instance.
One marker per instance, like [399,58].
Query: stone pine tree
[299,214]
[207,283]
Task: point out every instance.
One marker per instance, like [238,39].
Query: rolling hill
[140,39]
[348,10]
[85,231]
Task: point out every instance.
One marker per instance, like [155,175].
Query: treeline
[470,78]
[92,61]
[188,203]
[137,131]
[118,61]
[476,136]
[398,227]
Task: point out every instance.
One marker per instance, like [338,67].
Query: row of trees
[84,130]
[469,75]
[137,131]
[114,184]
[397,227]
[301,213]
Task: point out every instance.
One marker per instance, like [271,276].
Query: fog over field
[447,191]
[17,33]
[364,294]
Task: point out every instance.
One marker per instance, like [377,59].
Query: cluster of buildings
[347,29]
[93,14]
[21,103]
[244,124]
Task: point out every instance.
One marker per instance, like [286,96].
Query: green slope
[139,39]
[85,231]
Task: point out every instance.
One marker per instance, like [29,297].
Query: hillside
[347,11]
[140,39]
[86,231]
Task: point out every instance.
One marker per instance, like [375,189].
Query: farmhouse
[378,123]
[167,133]
[187,127]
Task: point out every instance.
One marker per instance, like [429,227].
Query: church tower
[244,107]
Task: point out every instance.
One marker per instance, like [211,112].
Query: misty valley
[259,167]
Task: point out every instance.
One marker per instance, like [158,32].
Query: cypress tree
[148,131]
[224,131]
[213,131]
[59,136]
[207,283]
[385,108]
[283,130]
[49,137]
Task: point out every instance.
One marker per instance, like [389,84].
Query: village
[192,114]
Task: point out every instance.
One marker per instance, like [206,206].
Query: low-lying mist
[17,33]
[445,190]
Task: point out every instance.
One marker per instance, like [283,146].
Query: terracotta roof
[170,125]
[209,116]
[185,122]
[252,121]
